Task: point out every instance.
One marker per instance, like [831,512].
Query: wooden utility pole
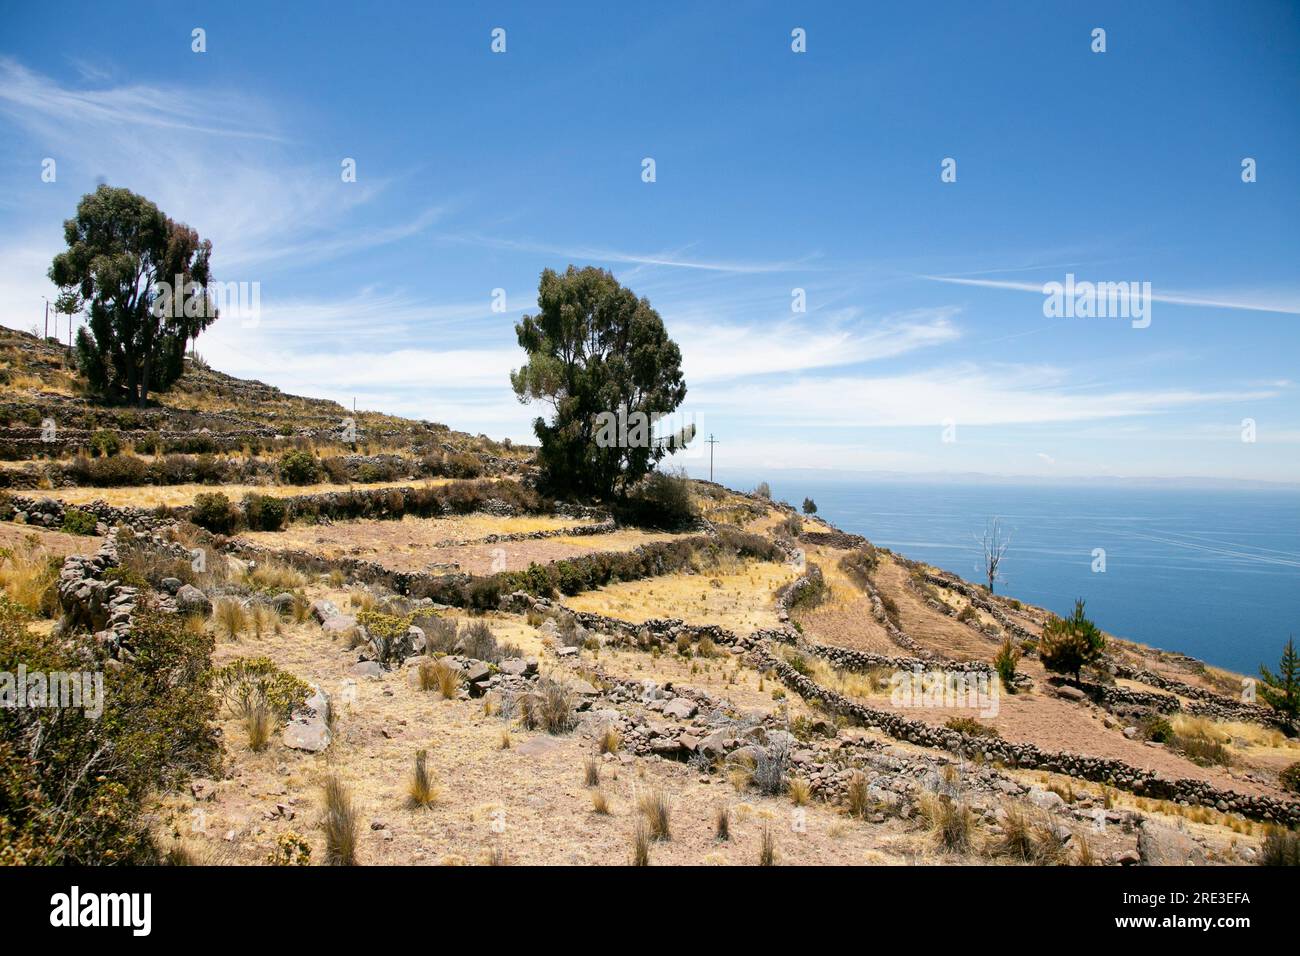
[47,317]
[712,441]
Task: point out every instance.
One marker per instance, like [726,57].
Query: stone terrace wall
[1098,769]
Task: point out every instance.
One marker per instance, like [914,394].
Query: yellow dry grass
[1234,734]
[739,598]
[150,496]
[411,534]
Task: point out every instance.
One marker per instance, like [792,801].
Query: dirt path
[929,628]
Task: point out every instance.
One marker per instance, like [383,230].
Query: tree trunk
[144,383]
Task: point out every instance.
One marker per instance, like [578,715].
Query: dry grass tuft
[440,676]
[340,824]
[722,825]
[767,848]
[859,795]
[599,802]
[950,822]
[258,722]
[610,741]
[230,618]
[654,809]
[641,844]
[29,575]
[421,791]
[591,772]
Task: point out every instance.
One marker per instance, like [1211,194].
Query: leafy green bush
[299,467]
[105,443]
[212,511]
[76,521]
[113,472]
[72,786]
[263,512]
[809,506]
[1070,643]
[969,725]
[249,682]
[1156,727]
[859,564]
[462,465]
[661,500]
[1005,663]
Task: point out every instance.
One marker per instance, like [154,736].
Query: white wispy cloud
[671,259]
[219,160]
[1250,302]
[965,394]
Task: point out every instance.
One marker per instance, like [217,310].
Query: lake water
[1214,574]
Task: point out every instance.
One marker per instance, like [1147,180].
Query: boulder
[680,707]
[171,585]
[367,669]
[1159,845]
[283,603]
[190,600]
[339,624]
[417,639]
[1045,799]
[322,610]
[308,728]
[1073,694]
[518,667]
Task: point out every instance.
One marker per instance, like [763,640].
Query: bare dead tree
[994,544]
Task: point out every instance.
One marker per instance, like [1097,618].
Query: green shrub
[809,506]
[105,443]
[859,564]
[1156,727]
[212,511]
[462,465]
[969,725]
[1005,663]
[385,630]
[1205,753]
[76,521]
[73,787]
[1070,643]
[299,468]
[249,682]
[661,500]
[114,472]
[263,512]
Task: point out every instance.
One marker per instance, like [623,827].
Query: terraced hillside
[444,666]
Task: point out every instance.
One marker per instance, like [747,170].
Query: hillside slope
[569,678]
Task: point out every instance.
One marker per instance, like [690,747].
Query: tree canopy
[122,264]
[597,355]
[1281,688]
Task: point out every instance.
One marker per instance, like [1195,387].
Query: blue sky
[774,171]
